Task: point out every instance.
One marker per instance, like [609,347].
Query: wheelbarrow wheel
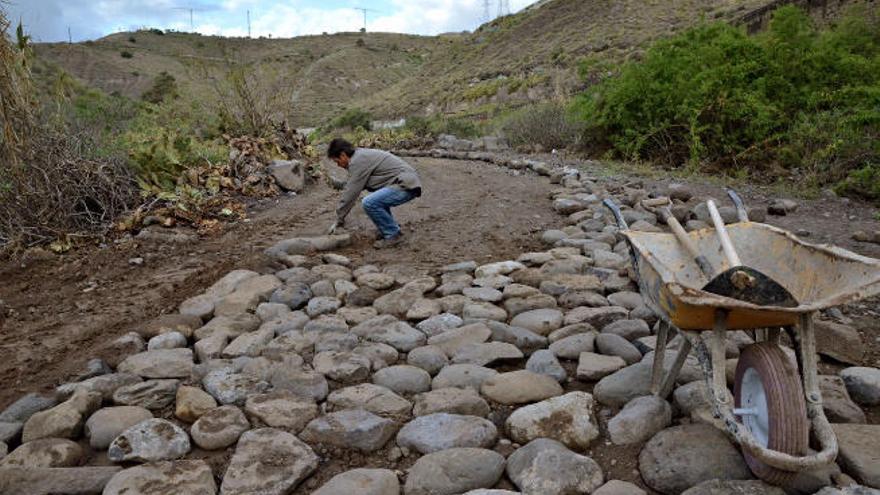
[770,403]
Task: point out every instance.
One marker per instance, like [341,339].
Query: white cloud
[48,20]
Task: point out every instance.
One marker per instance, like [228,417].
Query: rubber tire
[789,427]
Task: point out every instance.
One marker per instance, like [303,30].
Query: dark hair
[339,146]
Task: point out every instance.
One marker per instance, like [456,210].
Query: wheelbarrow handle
[721,230]
[687,242]
[741,212]
[611,205]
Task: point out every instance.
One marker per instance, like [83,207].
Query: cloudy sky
[48,20]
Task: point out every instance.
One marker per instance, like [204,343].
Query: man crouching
[390,180]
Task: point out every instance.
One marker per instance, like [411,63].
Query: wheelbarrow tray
[818,276]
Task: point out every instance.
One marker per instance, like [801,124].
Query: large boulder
[486,353]
[547,467]
[568,419]
[388,330]
[108,423]
[840,342]
[836,402]
[451,400]
[624,385]
[454,471]
[440,431]
[453,340]
[351,428]
[219,428]
[46,481]
[860,452]
[639,420]
[162,363]
[191,403]
[281,409]
[268,461]
[520,387]
[544,362]
[462,376]
[289,174]
[430,358]
[684,456]
[164,478]
[403,379]
[373,398]
[45,453]
[150,441]
[539,321]
[863,384]
[734,487]
[307,245]
[150,394]
[362,482]
[64,420]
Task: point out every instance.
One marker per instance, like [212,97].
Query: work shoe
[390,242]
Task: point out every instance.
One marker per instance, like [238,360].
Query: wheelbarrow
[776,401]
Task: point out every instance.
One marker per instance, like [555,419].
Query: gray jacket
[372,170]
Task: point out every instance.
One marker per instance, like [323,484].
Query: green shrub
[547,124]
[126,54]
[164,141]
[484,89]
[164,88]
[863,182]
[457,126]
[420,126]
[352,119]
[793,97]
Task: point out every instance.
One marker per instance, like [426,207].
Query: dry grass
[49,188]
[16,103]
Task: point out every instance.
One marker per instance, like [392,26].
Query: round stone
[219,428]
[108,423]
[403,379]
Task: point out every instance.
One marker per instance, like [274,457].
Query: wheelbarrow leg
[662,382]
[804,339]
[718,358]
[710,352]
[659,356]
[680,358]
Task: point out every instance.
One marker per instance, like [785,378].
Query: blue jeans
[378,206]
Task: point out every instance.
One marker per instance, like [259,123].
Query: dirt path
[65,308]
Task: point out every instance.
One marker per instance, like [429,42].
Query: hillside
[524,57]
[322,73]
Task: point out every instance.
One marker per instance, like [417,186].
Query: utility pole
[249,23]
[487,14]
[365,15]
[503,7]
[191,10]
[69,37]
